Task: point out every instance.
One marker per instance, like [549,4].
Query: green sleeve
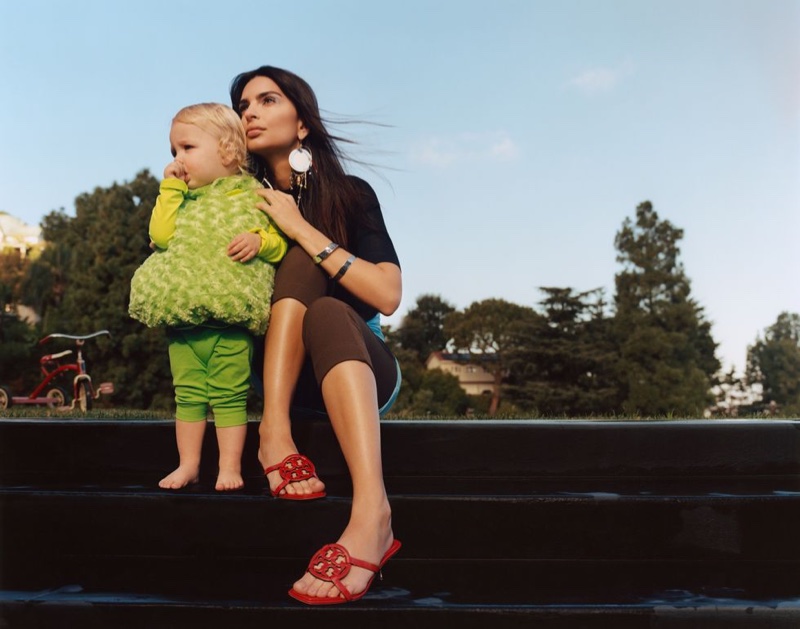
[162,221]
[273,244]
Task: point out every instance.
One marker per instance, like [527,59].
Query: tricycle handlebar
[74,338]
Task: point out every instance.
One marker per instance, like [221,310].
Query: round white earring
[300,160]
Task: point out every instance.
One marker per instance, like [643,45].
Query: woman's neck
[281,171]
[278,161]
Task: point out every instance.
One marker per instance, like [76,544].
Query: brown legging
[332,332]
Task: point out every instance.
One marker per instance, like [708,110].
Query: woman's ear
[302,131]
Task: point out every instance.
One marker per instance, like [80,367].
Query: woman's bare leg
[189,436]
[284,354]
[351,401]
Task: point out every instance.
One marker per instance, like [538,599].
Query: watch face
[300,160]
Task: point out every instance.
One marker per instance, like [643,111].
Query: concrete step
[504,524]
[592,526]
[67,449]
[394,608]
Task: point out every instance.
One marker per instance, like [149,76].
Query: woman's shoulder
[364,190]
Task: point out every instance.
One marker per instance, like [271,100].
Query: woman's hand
[379,285]
[244,247]
[283,211]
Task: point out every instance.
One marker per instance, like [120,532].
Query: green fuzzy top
[194,281]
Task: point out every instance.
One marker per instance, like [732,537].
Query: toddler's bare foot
[183,476]
[228,480]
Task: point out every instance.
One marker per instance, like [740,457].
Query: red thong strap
[332,563]
[293,468]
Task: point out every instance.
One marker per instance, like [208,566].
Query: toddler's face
[197,151]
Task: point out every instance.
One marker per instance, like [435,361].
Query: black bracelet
[344,268]
[325,252]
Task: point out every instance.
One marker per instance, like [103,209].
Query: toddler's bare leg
[189,436]
[231,444]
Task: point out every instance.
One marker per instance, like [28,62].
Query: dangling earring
[300,162]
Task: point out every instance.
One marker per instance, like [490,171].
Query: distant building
[19,236]
[731,399]
[474,379]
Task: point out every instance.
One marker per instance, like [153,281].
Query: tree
[774,362]
[81,284]
[13,267]
[424,391]
[731,393]
[422,329]
[564,363]
[487,330]
[45,281]
[666,348]
[434,393]
[17,340]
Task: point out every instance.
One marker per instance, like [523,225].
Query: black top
[371,242]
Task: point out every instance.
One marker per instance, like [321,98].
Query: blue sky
[518,135]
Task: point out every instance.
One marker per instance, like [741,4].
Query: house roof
[461,357]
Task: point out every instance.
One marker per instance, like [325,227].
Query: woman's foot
[229,480]
[181,477]
[366,542]
[272,453]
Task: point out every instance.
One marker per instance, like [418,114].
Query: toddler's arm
[170,196]
[268,244]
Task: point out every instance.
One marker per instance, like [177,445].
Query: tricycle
[52,394]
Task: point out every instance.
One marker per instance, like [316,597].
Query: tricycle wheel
[58,396]
[5,397]
[84,396]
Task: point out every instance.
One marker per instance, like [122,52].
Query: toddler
[209,281]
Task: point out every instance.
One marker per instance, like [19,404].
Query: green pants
[211,368]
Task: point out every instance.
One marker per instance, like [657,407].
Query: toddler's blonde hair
[221,122]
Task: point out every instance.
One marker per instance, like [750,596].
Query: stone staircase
[567,524]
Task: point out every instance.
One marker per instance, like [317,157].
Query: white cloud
[598,80]
[504,149]
[444,151]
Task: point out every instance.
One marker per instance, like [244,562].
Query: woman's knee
[299,278]
[332,334]
[327,317]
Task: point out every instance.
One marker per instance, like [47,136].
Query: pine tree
[667,359]
[774,362]
[564,363]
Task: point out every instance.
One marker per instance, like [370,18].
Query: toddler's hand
[244,247]
[175,169]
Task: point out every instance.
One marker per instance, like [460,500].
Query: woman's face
[270,119]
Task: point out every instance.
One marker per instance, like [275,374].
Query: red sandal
[332,563]
[293,469]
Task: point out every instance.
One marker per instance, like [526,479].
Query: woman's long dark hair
[331,201]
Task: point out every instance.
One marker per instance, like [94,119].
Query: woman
[324,347]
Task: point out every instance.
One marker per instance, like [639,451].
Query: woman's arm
[378,285]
